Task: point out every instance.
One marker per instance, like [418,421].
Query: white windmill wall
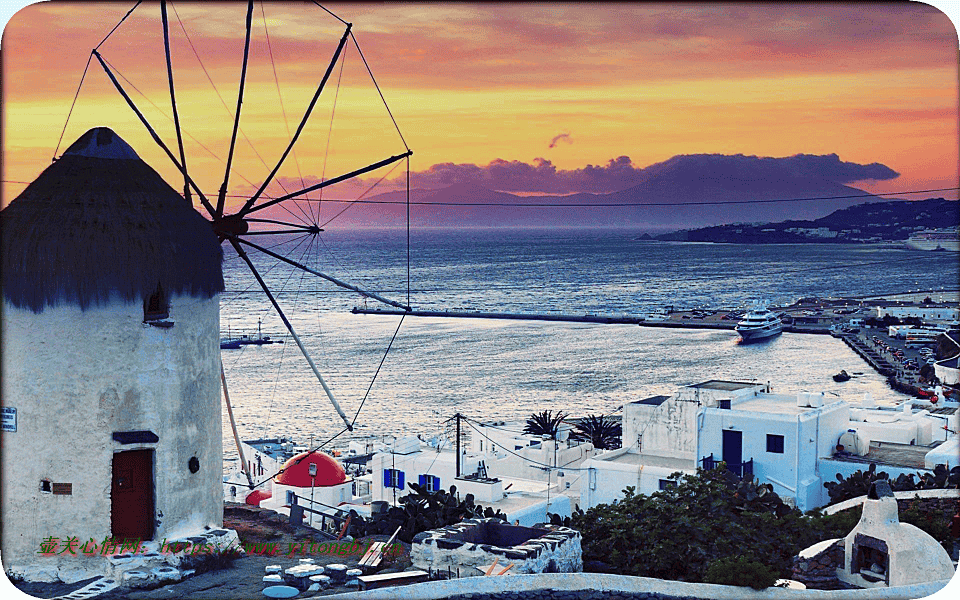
[77,376]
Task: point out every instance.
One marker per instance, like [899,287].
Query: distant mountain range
[716,188]
[869,222]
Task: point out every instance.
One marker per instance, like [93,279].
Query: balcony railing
[741,469]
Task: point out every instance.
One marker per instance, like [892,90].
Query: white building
[787,440]
[777,438]
[524,499]
[520,455]
[111,362]
[941,314]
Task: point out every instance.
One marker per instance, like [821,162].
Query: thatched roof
[99,223]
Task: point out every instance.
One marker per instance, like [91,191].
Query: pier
[870,356]
[677,320]
[803,322]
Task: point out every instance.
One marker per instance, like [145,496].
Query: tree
[889,320]
[544,423]
[602,432]
[678,532]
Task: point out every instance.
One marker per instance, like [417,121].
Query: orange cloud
[471,83]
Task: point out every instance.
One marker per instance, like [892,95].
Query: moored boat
[759,324]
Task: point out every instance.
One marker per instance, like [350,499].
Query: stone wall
[475,544]
[818,570]
[567,586]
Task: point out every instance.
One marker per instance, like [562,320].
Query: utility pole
[457,416]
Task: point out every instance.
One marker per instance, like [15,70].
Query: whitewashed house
[520,455]
[777,438]
[929,313]
[526,500]
[791,441]
[110,363]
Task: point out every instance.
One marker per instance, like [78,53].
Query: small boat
[246,340]
[841,376]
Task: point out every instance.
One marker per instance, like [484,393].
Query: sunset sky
[488,86]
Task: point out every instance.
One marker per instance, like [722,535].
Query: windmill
[236,227]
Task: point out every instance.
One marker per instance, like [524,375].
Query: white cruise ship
[758,324]
[935,239]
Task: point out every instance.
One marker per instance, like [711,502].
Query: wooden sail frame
[233,227]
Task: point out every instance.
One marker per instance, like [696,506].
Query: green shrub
[676,533]
[931,515]
[741,572]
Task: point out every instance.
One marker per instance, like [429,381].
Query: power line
[878,196]
[529,460]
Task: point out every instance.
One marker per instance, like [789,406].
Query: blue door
[733,449]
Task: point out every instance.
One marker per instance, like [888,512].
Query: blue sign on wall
[9,416]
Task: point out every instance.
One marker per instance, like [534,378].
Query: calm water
[509,369]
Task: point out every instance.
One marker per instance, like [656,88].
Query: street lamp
[313,479]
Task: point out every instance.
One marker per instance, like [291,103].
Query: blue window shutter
[386,478]
[422,480]
[400,482]
[436,484]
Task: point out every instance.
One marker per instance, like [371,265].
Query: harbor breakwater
[586,318]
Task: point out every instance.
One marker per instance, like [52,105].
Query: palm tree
[544,423]
[602,432]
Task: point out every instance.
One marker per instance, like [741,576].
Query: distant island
[685,191]
[864,223]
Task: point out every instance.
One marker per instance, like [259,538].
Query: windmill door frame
[132,495]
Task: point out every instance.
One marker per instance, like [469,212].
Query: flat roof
[897,455]
[781,404]
[652,400]
[651,460]
[725,386]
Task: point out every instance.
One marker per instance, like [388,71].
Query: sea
[409,376]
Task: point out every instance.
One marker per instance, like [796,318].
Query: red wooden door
[131,495]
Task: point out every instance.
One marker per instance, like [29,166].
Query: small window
[431,483]
[775,443]
[393,478]
[46,487]
[157,306]
[725,404]
[667,483]
[291,497]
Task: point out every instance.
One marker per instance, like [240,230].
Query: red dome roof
[296,471]
[255,497]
